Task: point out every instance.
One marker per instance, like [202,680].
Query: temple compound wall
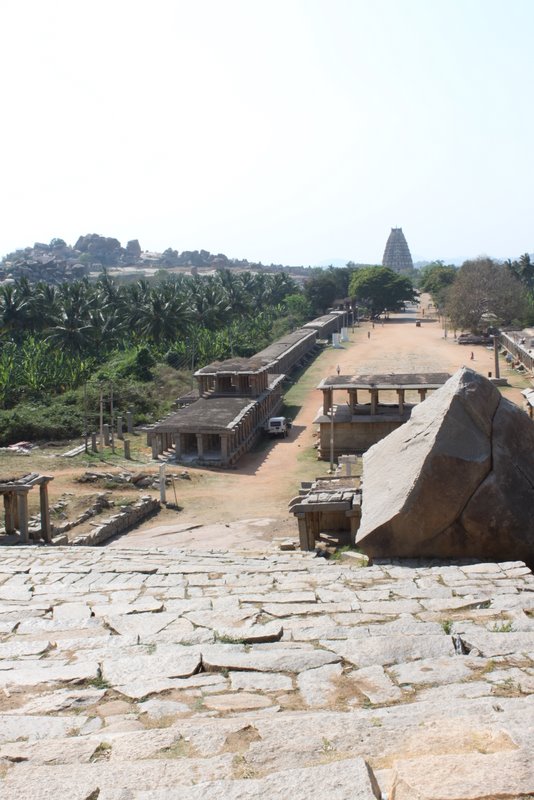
[371,407]
[236,397]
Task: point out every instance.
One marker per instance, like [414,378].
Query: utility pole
[496,355]
[332,434]
[85,432]
[111,414]
[101,420]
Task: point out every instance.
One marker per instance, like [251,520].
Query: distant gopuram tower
[397,253]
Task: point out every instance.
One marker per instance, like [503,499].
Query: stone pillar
[224,448]
[9,510]
[422,394]
[353,399]
[22,503]
[178,446]
[105,429]
[155,446]
[162,486]
[127,449]
[327,400]
[200,445]
[93,443]
[354,519]
[400,393]
[129,421]
[15,507]
[120,434]
[46,528]
[374,401]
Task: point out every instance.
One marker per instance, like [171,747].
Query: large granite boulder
[456,481]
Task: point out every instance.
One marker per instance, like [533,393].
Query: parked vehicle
[278,426]
[472,338]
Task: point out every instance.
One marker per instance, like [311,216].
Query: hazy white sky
[286,131]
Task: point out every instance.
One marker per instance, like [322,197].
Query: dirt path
[247,506]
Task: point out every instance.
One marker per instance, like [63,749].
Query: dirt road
[245,507]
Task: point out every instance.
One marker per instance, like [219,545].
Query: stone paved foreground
[159,675]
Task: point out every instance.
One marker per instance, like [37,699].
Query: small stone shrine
[15,492]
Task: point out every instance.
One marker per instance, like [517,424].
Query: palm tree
[14,312]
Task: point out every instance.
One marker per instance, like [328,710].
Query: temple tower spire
[397,253]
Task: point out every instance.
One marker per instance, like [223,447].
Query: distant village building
[397,254]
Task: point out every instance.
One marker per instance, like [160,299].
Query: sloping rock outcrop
[456,481]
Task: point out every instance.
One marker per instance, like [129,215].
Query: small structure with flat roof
[236,398]
[328,505]
[372,407]
[15,492]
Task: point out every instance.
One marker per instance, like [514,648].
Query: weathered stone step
[172,779]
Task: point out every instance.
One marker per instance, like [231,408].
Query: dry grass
[240,741]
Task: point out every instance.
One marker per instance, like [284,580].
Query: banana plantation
[57,340]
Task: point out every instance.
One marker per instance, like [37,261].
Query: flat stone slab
[174,711]
[16,673]
[385,650]
[237,701]
[433,670]
[318,686]
[168,661]
[375,684]
[260,681]
[141,625]
[350,779]
[466,776]
[219,657]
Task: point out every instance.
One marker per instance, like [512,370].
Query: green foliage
[485,293]
[326,285]
[436,278]
[446,624]
[136,363]
[37,422]
[523,270]
[503,627]
[380,288]
[36,368]
[53,339]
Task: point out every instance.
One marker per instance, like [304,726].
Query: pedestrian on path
[338,369]
[368,334]
[472,356]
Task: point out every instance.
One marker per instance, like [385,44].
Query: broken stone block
[456,481]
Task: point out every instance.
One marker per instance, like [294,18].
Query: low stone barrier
[126,518]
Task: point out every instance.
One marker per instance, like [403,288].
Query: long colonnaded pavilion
[236,397]
[373,406]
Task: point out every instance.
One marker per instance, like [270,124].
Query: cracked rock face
[456,481]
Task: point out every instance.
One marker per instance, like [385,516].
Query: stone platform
[158,675]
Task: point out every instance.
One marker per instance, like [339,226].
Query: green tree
[380,289]
[436,278]
[523,270]
[326,285]
[485,289]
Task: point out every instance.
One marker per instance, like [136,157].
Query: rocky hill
[58,261]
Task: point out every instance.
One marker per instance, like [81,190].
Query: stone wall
[354,437]
[126,518]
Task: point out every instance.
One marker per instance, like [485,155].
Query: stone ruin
[456,481]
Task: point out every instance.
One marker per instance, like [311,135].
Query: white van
[278,426]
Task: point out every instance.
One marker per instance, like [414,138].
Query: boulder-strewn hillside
[57,261]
